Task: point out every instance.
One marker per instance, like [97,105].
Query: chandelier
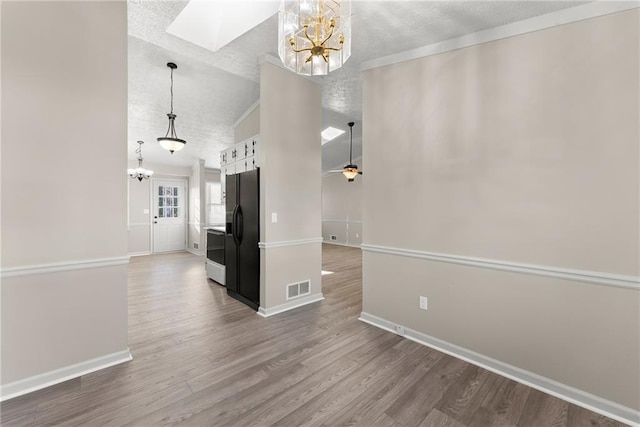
[171,141]
[140,173]
[314,36]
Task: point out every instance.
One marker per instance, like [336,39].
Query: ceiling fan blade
[336,171]
[360,172]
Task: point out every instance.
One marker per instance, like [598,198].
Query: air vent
[304,287]
[195,245]
[293,290]
[333,237]
[299,289]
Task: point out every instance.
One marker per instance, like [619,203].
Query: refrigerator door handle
[234,225]
[240,226]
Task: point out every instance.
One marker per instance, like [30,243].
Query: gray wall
[290,126]
[64,189]
[342,209]
[520,150]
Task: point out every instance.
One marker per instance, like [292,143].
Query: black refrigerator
[242,255]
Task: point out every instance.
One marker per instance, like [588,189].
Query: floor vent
[333,237]
[299,289]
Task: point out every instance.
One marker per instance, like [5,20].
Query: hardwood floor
[202,358]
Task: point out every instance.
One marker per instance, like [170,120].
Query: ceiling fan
[349,171]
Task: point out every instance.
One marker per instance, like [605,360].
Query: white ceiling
[213,89]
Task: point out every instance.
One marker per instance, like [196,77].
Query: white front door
[169,201]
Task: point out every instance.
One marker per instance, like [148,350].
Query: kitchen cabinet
[239,158]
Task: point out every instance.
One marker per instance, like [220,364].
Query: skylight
[213,24]
[330,133]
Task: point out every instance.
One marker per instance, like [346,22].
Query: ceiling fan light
[350,172]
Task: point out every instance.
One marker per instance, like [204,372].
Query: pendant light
[171,141]
[140,173]
[350,171]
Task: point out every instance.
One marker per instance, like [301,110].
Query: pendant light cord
[350,143]
[172,91]
[139,151]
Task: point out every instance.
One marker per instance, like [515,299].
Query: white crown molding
[246,113]
[56,267]
[269,245]
[562,391]
[47,379]
[537,23]
[606,279]
[299,302]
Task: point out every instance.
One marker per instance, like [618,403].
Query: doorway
[169,213]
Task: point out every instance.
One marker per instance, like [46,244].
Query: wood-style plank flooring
[204,359]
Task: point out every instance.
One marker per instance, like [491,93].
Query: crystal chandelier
[314,36]
[171,141]
[140,173]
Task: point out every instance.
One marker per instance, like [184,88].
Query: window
[215,209]
[168,202]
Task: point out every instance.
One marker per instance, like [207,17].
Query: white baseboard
[142,253]
[562,391]
[298,302]
[47,379]
[197,253]
[333,242]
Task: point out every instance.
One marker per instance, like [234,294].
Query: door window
[168,202]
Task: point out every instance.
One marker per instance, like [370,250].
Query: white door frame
[158,177]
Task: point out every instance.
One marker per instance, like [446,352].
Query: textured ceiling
[213,89]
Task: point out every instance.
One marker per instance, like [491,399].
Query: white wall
[64,190]
[197,209]
[523,150]
[342,209]
[290,183]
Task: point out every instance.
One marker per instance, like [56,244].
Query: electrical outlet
[423,303]
[274,217]
[400,330]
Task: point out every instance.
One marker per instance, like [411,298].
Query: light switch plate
[274,217]
[145,211]
[423,303]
